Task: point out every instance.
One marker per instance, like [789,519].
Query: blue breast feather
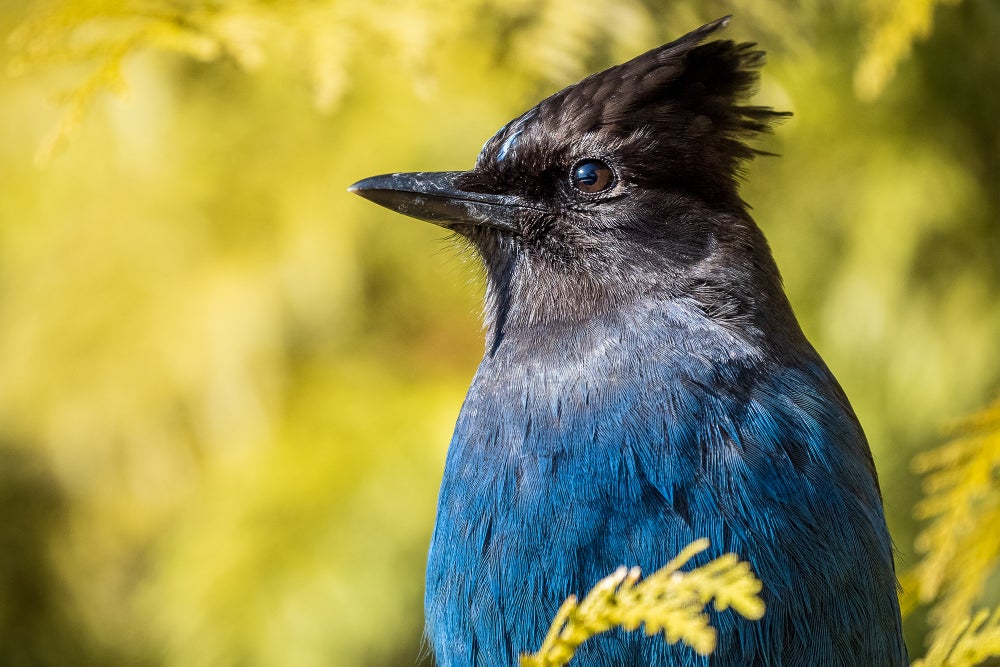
[572,459]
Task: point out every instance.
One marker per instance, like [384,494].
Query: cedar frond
[960,545]
[966,643]
[668,601]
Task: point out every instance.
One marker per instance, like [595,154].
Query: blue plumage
[645,384]
[621,448]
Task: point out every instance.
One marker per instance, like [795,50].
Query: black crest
[679,108]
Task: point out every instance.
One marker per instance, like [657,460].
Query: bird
[644,383]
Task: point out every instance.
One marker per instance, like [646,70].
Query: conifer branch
[966,643]
[668,601]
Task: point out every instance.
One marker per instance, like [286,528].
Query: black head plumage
[678,110]
[621,186]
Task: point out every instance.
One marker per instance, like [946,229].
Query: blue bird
[645,383]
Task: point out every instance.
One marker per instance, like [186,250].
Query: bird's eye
[592,176]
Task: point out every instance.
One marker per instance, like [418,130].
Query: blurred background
[227,386]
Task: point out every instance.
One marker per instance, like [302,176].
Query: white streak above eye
[507,145]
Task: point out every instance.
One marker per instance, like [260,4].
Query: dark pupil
[592,176]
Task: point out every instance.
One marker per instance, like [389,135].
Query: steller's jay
[645,383]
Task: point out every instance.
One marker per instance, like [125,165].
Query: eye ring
[591,176]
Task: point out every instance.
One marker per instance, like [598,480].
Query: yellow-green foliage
[966,642]
[895,25]
[960,545]
[670,601]
[318,37]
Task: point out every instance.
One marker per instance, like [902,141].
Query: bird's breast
[581,454]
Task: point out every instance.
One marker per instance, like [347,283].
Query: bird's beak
[434,197]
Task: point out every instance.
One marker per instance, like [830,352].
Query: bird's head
[622,186]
